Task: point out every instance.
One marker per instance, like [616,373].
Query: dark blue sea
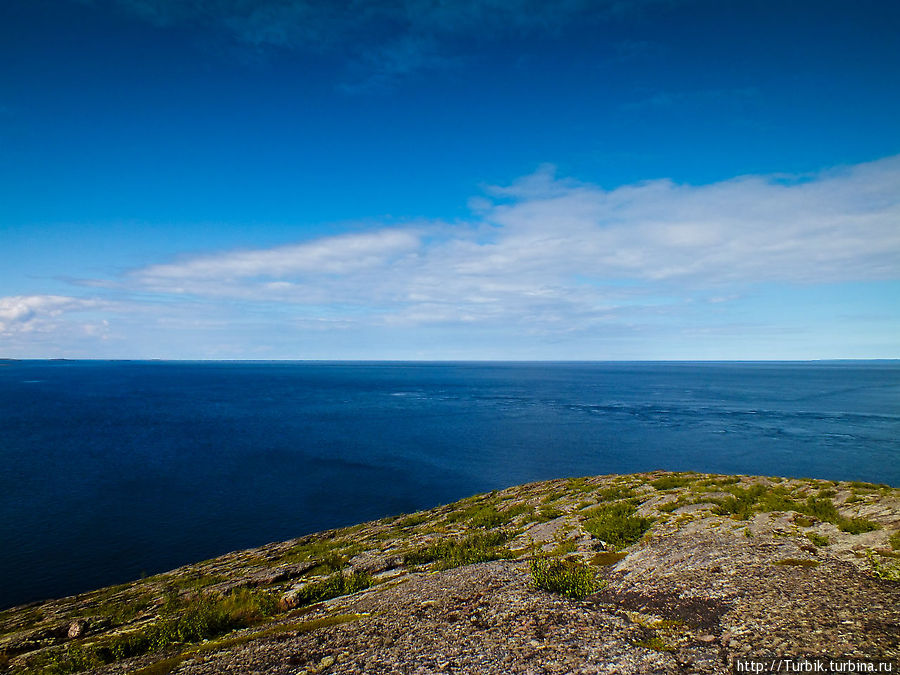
[111,470]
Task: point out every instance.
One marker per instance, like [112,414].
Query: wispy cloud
[545,247]
[543,256]
[39,313]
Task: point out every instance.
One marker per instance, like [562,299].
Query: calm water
[113,469]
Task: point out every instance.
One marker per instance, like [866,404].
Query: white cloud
[36,313]
[543,261]
[551,254]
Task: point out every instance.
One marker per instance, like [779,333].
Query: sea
[116,469]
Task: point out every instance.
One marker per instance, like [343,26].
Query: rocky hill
[643,573]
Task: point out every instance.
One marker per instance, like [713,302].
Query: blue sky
[610,179]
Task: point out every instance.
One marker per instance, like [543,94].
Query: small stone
[706,638]
[326,662]
[77,628]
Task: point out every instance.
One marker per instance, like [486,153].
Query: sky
[430,180]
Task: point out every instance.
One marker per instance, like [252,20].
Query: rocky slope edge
[645,573]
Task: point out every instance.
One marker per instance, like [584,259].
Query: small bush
[741,503]
[821,508]
[570,578]
[616,524]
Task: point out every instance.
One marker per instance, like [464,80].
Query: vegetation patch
[669,482]
[883,570]
[322,549]
[547,513]
[182,621]
[895,541]
[614,493]
[168,665]
[856,525]
[411,520]
[870,487]
[745,502]
[571,578]
[336,585]
[669,507]
[818,539]
[617,524]
[450,553]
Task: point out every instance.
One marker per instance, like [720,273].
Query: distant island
[643,573]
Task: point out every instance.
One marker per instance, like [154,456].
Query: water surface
[114,469]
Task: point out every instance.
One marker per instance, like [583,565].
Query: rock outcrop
[686,572]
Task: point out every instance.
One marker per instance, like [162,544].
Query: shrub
[616,524]
[821,508]
[570,578]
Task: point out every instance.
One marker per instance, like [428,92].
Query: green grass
[883,570]
[669,482]
[745,502]
[449,553]
[570,578]
[579,485]
[895,541]
[182,621]
[332,587]
[547,513]
[167,665]
[320,549]
[818,539]
[614,493]
[411,520]
[856,525]
[867,486]
[617,524]
[669,507]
